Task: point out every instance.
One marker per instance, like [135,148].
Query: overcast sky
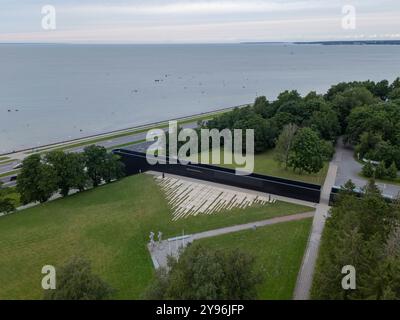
[197,21]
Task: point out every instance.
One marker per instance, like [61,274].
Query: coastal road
[108,144]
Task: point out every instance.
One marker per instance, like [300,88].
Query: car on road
[18,166]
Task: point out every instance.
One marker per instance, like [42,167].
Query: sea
[57,92]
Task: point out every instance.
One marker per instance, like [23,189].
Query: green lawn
[279,250]
[109,225]
[4,158]
[264,163]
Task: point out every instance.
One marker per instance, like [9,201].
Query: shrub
[392,171]
[368,170]
[380,171]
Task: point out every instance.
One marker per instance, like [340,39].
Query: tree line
[304,129]
[42,176]
[363,232]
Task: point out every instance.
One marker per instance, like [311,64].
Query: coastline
[127,131]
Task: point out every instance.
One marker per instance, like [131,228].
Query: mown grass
[265,163]
[109,225]
[278,250]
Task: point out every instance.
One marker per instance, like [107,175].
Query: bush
[75,281]
[203,273]
[392,171]
[368,170]
[380,171]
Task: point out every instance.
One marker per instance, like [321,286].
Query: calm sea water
[70,91]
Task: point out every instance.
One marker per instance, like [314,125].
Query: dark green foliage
[262,106]
[102,165]
[368,170]
[37,181]
[380,170]
[207,274]
[76,281]
[307,152]
[70,170]
[344,102]
[358,233]
[7,204]
[392,171]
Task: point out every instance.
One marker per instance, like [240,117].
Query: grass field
[278,249]
[264,163]
[110,226]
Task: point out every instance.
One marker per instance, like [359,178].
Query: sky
[198,21]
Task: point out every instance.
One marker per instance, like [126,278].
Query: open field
[264,163]
[109,225]
[278,249]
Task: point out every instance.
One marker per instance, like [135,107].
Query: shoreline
[118,131]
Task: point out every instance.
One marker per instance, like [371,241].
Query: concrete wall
[136,162]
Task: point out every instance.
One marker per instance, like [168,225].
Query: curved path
[171,247]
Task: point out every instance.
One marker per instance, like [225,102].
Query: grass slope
[279,250]
[109,225]
[264,163]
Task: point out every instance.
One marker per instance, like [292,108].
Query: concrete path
[171,247]
[305,277]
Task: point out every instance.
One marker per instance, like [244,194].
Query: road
[109,144]
[349,168]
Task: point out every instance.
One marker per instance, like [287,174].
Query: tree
[356,233]
[392,171]
[37,181]
[7,204]
[380,170]
[95,158]
[113,169]
[75,281]
[264,133]
[351,98]
[207,274]
[70,170]
[368,170]
[307,152]
[284,143]
[261,106]
[102,165]
[326,122]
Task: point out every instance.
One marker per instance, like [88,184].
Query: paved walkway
[171,247]
[349,168]
[305,277]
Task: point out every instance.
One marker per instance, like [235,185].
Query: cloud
[202,7]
